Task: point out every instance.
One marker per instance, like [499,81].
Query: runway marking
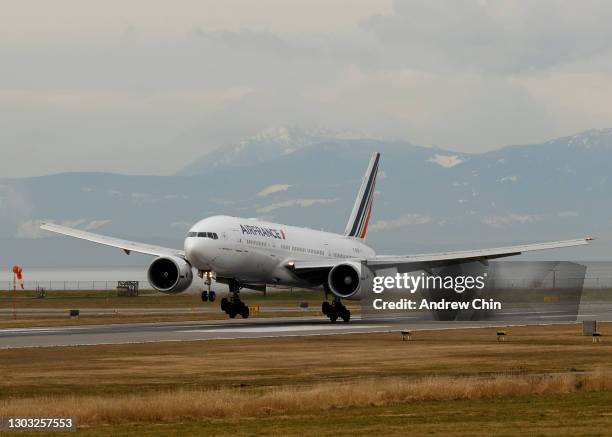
[345,330]
[25,330]
[254,329]
[62,329]
[182,340]
[521,313]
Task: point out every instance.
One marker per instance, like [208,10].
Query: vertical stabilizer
[357,225]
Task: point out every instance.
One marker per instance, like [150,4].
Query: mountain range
[427,199]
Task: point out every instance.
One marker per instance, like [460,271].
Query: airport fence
[588,283]
[69,285]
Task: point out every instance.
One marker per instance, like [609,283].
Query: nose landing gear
[208,294]
[335,310]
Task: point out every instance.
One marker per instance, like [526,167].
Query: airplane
[247,253]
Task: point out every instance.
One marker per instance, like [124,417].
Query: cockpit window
[212,235]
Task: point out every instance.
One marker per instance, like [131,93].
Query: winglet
[357,225]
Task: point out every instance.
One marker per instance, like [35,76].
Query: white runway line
[255,329]
[26,330]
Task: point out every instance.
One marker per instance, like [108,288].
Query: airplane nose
[197,252]
[190,249]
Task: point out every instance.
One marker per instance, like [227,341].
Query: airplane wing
[441,257]
[126,245]
[498,252]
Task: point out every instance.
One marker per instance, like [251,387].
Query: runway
[197,331]
[255,328]
[139,311]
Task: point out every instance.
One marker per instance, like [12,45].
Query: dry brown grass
[298,361]
[167,406]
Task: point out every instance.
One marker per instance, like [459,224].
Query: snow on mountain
[446,160]
[266,145]
[601,138]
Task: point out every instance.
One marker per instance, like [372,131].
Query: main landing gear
[335,310]
[234,306]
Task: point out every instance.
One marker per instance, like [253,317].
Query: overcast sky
[144,86]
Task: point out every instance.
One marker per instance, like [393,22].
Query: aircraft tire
[325,307]
[211,296]
[333,316]
[346,315]
[205,296]
[225,305]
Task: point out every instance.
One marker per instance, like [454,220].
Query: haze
[143,87]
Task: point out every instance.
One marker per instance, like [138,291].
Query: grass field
[546,380]
[555,415]
[151,301]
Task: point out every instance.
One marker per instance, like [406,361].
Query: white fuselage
[256,251]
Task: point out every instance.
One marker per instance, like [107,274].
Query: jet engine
[350,280]
[170,274]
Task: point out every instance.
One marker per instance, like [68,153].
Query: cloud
[501,36]
[181,225]
[261,41]
[565,214]
[400,222]
[478,110]
[465,75]
[224,202]
[143,198]
[13,204]
[95,224]
[498,221]
[150,198]
[30,229]
[303,203]
[139,20]
[276,188]
[82,100]
[512,178]
[573,97]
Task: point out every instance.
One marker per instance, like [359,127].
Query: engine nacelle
[350,280]
[170,274]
